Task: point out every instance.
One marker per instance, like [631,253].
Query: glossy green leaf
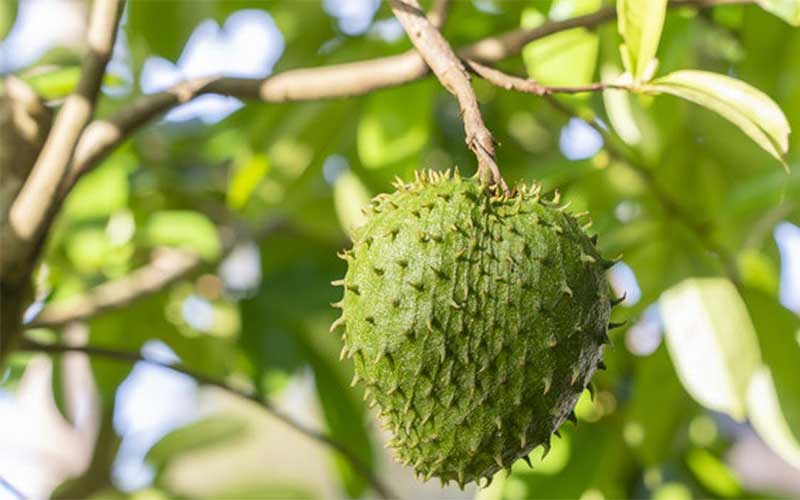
[183,229]
[788,10]
[246,177]
[350,197]
[712,342]
[565,58]
[774,395]
[640,23]
[753,111]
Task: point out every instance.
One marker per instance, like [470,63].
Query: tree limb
[11,489]
[253,396]
[447,67]
[168,266]
[34,204]
[530,86]
[305,84]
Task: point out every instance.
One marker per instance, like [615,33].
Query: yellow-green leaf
[788,10]
[753,111]
[246,177]
[712,342]
[350,196]
[640,23]
[184,229]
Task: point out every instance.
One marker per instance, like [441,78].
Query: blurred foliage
[293,177]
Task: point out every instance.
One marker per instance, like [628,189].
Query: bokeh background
[265,195]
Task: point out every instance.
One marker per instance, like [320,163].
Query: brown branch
[168,266]
[11,489]
[305,84]
[36,201]
[253,396]
[438,13]
[447,67]
[530,86]
[326,82]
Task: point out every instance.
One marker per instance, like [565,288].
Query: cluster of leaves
[307,169]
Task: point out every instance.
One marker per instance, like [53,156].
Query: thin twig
[447,67]
[11,489]
[438,13]
[253,396]
[325,82]
[35,202]
[167,266]
[530,86]
[699,228]
[304,84]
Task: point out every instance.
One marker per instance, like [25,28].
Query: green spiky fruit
[474,319]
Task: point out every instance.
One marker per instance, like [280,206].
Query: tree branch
[447,67]
[33,206]
[253,396]
[305,84]
[11,489]
[168,266]
[529,86]
[326,82]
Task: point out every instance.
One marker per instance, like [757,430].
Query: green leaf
[184,229]
[753,111]
[8,14]
[640,23]
[788,10]
[195,436]
[101,192]
[565,58]
[62,81]
[247,175]
[395,125]
[714,475]
[774,395]
[712,342]
[656,386]
[350,197]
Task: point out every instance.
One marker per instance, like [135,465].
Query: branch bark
[447,67]
[33,205]
[168,266]
[305,84]
[253,396]
[528,86]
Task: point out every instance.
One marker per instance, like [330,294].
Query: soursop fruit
[475,320]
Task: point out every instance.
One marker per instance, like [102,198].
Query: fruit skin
[475,320]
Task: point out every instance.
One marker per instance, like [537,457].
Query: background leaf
[788,10]
[712,342]
[773,399]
